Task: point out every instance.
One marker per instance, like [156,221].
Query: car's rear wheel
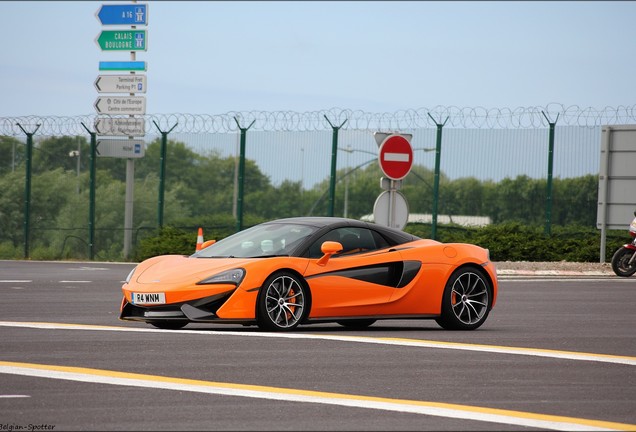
[356,323]
[467,300]
[169,324]
[283,302]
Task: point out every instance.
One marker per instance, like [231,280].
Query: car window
[353,240]
[260,240]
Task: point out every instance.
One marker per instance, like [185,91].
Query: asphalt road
[557,353]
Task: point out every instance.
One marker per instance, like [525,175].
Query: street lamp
[350,150]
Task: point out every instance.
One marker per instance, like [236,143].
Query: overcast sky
[377,56]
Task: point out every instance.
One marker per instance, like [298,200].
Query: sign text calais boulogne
[132,40]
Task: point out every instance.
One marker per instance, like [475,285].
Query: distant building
[472,221]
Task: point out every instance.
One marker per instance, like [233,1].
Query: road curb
[509,272]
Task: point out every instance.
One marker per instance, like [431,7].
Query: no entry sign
[395,157]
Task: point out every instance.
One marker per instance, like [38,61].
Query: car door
[358,281]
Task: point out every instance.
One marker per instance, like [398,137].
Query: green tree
[575,201]
[521,199]
[418,189]
[60,152]
[285,200]
[12,151]
[12,207]
[464,196]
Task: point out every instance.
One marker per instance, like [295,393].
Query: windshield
[259,241]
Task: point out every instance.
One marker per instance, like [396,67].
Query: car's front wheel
[283,302]
[467,300]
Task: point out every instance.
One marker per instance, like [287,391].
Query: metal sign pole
[548,199]
[162,172]
[241,176]
[334,158]
[91,199]
[27,188]
[438,153]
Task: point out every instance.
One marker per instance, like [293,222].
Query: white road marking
[89,268]
[522,278]
[467,412]
[15,281]
[533,352]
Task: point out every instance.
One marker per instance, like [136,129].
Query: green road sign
[122,40]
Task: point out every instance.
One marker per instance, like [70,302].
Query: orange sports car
[288,272]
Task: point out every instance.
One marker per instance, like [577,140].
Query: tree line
[199,191]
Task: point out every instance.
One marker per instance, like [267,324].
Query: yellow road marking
[467,412]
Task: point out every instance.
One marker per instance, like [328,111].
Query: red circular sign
[395,157]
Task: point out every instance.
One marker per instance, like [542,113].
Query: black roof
[322,222]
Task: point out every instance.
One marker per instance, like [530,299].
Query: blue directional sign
[122,65]
[123,14]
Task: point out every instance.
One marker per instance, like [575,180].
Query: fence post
[548,199]
[438,154]
[162,172]
[27,187]
[241,176]
[334,159]
[91,198]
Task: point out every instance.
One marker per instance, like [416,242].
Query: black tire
[283,302]
[467,300]
[169,324]
[357,323]
[620,262]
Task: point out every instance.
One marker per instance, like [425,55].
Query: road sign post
[121,83]
[124,105]
[391,209]
[120,126]
[122,40]
[131,40]
[123,14]
[121,148]
[395,157]
[117,66]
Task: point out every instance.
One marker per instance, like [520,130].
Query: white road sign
[391,209]
[129,105]
[121,83]
[120,126]
[121,148]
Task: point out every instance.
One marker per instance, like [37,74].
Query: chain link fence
[486,145]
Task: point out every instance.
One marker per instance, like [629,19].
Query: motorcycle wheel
[620,262]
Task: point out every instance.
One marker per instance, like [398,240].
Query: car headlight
[130,274]
[234,276]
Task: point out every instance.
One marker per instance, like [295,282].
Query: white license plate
[148,298]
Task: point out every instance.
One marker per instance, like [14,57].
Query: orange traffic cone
[199,239]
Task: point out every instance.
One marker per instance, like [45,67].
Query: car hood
[171,269]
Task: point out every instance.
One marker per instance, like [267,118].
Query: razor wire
[284,121]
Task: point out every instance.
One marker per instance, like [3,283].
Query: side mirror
[328,248]
[207,243]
